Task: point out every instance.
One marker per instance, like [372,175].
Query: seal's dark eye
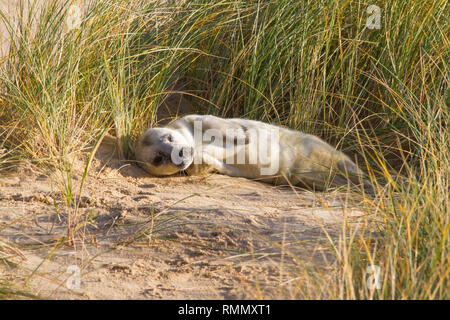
[157,160]
[170,138]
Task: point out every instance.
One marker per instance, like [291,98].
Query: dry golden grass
[381,95]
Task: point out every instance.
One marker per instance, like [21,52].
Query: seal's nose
[186,152]
[181,156]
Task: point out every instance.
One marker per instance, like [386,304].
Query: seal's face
[163,152]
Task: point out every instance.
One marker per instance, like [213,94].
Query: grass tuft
[380,95]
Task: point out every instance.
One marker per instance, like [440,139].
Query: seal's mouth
[183,166]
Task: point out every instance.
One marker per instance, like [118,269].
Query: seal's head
[163,151]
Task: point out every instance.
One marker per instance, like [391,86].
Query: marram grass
[380,95]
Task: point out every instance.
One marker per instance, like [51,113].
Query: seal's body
[244,148]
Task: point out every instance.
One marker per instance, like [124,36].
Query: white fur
[301,158]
